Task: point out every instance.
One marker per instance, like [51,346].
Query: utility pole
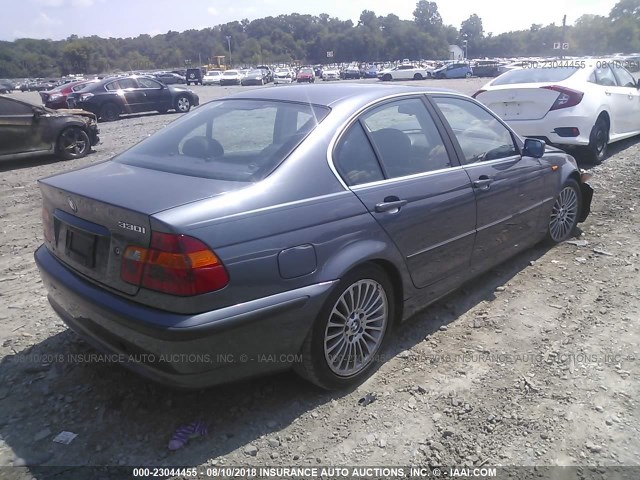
[564,28]
[229,43]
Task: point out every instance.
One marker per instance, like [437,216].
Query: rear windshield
[535,75]
[239,140]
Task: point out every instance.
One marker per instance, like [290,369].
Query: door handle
[483,183]
[390,204]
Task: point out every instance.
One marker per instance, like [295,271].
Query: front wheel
[386,77]
[349,331]
[183,104]
[417,76]
[565,213]
[73,143]
[467,75]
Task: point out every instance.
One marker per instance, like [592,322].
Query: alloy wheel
[356,327]
[564,214]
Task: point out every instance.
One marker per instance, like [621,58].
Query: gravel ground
[534,363]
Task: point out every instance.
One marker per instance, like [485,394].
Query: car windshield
[306,71]
[255,72]
[230,73]
[237,140]
[535,75]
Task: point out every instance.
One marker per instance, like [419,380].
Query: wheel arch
[379,253]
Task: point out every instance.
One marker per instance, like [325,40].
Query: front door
[395,160]
[508,187]
[20,130]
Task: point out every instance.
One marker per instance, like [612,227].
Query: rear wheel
[350,329]
[467,75]
[183,104]
[386,77]
[417,76]
[110,112]
[73,143]
[596,151]
[565,213]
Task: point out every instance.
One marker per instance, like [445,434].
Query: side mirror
[533,148]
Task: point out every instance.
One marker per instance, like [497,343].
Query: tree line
[320,39]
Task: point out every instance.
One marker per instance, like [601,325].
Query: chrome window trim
[492,162]
[407,178]
[341,130]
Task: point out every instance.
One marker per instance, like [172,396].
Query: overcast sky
[57,19]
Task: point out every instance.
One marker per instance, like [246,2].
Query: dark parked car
[305,75]
[297,240]
[485,68]
[254,77]
[194,76]
[454,70]
[350,72]
[57,98]
[170,78]
[111,97]
[370,71]
[28,130]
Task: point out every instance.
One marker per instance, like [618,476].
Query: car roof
[332,95]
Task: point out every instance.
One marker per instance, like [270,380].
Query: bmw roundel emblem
[72,204]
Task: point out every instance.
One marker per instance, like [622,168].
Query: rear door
[614,96]
[395,159]
[509,188]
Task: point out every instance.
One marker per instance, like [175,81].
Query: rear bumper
[545,127]
[187,351]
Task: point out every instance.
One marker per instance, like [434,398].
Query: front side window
[238,140]
[625,79]
[405,138]
[480,135]
[11,107]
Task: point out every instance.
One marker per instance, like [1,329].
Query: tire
[386,77]
[565,213]
[109,112]
[163,110]
[417,76]
[596,151]
[183,104]
[467,75]
[331,346]
[73,143]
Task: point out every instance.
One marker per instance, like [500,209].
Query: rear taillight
[477,93]
[174,264]
[567,98]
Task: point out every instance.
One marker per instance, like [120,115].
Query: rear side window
[535,75]
[355,159]
[480,135]
[238,140]
[405,138]
[604,76]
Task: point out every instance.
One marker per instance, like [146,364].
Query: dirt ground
[534,363]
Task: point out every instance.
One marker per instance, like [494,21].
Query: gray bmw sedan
[294,227]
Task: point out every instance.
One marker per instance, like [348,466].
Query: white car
[212,78]
[231,77]
[587,103]
[283,75]
[405,72]
[330,74]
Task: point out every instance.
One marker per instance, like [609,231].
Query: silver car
[292,228]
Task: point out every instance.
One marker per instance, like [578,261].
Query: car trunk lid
[521,102]
[94,213]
